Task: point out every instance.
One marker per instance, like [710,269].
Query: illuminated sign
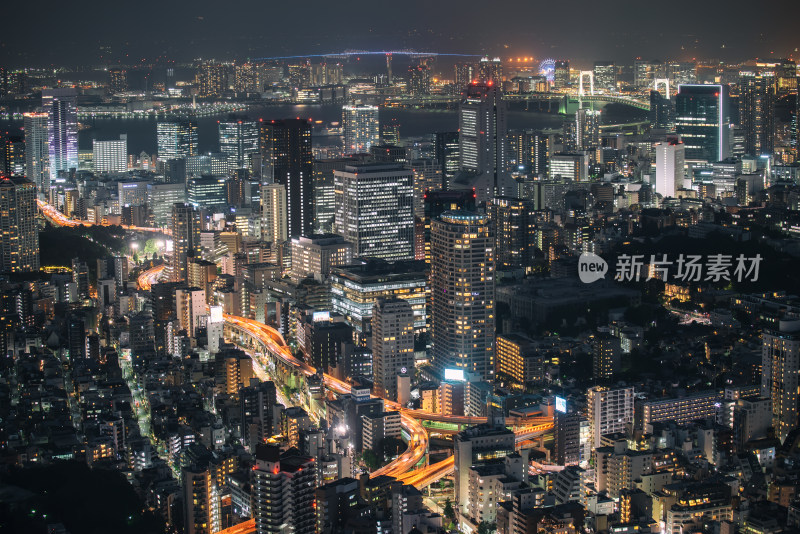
[561,405]
[454,374]
[321,316]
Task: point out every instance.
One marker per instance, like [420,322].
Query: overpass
[52,214]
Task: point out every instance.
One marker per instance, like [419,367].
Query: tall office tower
[419,78]
[392,344]
[465,74]
[475,445]
[76,337]
[314,255]
[605,76]
[447,152]
[201,500]
[606,354]
[12,155]
[514,231]
[324,196]
[660,111]
[273,213]
[670,161]
[567,446]
[288,160]
[702,120]
[587,129]
[374,210]
[238,140]
[462,287]
[610,411]
[427,177]
[780,360]
[110,156]
[561,76]
[19,240]
[212,80]
[757,94]
[361,128]
[490,71]
[61,106]
[786,76]
[483,138]
[529,150]
[283,487]
[680,73]
[177,138]
[185,238]
[117,80]
[37,150]
[258,403]
[80,277]
[161,198]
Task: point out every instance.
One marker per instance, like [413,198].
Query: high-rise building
[176,138]
[518,360]
[561,77]
[757,94]
[465,74]
[316,254]
[514,230]
[283,487]
[19,237]
[273,213]
[661,113]
[392,344]
[606,354]
[161,198]
[490,71]
[117,80]
[448,155]
[374,204]
[258,404]
[12,155]
[61,106]
[288,160]
[475,445]
[567,437]
[201,500]
[670,157]
[702,120]
[207,191]
[529,151]
[780,360]
[37,151]
[361,128]
[462,288]
[482,129]
[587,129]
[419,78]
[238,140]
[212,80]
[610,411]
[605,76]
[110,156]
[185,238]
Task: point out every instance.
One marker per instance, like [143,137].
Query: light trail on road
[150,277]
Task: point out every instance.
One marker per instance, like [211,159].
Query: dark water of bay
[413,123]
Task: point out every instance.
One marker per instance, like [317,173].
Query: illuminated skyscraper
[185,239]
[283,487]
[490,71]
[12,155]
[780,360]
[483,138]
[702,120]
[561,74]
[374,210]
[117,80]
[61,106]
[238,140]
[605,76]
[273,213]
[757,111]
[110,156]
[670,160]
[465,74]
[212,80]
[419,78]
[19,236]
[587,129]
[201,500]
[610,410]
[288,160]
[447,153]
[361,128]
[462,293]
[392,344]
[37,151]
[176,138]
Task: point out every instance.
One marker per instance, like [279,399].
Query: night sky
[101,32]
